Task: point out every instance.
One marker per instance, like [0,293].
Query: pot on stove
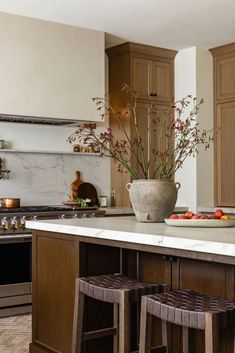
[10,202]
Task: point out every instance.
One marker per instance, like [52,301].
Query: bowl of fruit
[190,219]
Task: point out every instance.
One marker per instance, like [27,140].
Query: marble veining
[40,179]
[220,241]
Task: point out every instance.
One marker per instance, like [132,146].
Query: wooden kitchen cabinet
[59,258]
[224,122]
[149,71]
[151,79]
[225,72]
[210,278]
[213,279]
[225,144]
[151,140]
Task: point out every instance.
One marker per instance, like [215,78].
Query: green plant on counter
[81,202]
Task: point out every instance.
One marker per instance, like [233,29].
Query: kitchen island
[202,259]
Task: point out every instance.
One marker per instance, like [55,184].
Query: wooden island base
[59,258]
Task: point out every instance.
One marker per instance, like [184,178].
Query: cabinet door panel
[143,123]
[153,268]
[211,279]
[158,130]
[141,73]
[119,180]
[225,71]
[225,149]
[160,81]
[153,134]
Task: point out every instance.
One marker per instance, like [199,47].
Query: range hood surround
[49,72]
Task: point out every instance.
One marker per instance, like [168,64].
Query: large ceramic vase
[153,200]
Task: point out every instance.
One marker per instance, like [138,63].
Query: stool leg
[77,320]
[211,334]
[166,333]
[185,339]
[124,323]
[234,341]
[115,324]
[145,328]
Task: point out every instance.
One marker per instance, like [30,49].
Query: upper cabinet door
[225,149]
[152,79]
[160,81]
[225,72]
[141,75]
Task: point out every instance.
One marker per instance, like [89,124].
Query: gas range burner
[31,209]
[37,209]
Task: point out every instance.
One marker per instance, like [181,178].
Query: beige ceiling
[174,24]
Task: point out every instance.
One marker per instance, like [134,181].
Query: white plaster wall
[185,83]
[194,75]
[205,165]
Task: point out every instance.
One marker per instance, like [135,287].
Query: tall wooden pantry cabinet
[224,122]
[149,71]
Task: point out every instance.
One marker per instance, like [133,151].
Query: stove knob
[84,215]
[13,223]
[17,223]
[75,216]
[2,224]
[93,215]
[6,223]
[34,218]
[22,222]
[62,216]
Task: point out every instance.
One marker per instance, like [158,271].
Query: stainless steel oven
[16,252]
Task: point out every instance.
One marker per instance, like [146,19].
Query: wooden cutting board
[74,186]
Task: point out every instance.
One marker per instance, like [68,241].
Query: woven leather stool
[116,289]
[190,310]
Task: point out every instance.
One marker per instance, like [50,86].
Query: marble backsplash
[44,178]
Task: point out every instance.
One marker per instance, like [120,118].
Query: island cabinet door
[210,278]
[155,268]
[55,267]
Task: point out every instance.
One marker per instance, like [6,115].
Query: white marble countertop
[117,210]
[218,241]
[129,210]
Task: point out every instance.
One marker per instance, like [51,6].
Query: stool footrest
[158,349]
[89,335]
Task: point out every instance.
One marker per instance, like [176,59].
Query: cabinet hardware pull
[169,258]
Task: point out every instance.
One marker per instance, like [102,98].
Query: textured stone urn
[153,200]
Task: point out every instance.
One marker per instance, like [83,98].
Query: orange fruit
[189,214]
[224,217]
[219,213]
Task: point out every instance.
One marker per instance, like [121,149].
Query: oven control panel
[13,223]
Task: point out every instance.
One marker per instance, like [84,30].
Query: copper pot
[10,202]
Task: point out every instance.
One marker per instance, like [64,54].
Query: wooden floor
[15,334]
